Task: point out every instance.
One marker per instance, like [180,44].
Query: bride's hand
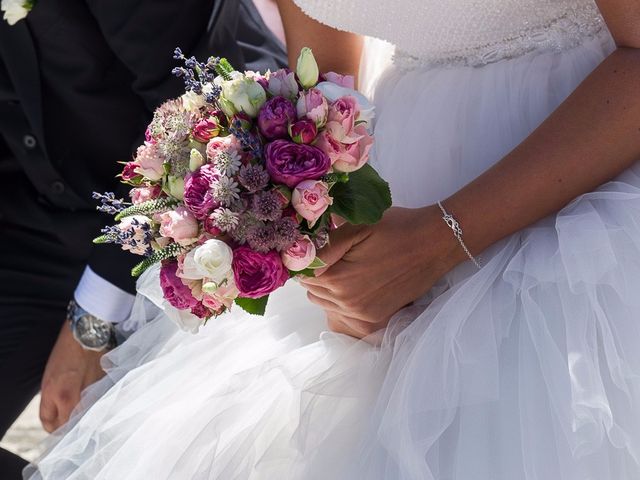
[374,271]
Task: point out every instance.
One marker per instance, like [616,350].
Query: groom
[79,80]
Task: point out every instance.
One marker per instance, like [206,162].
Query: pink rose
[299,255]
[144,194]
[150,162]
[219,145]
[224,295]
[356,154]
[129,171]
[346,157]
[258,274]
[314,106]
[174,291]
[341,119]
[179,224]
[347,81]
[206,129]
[311,199]
[212,303]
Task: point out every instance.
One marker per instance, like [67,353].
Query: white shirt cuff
[103,299]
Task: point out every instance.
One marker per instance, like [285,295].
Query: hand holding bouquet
[240,180]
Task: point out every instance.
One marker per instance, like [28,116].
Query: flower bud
[284,195]
[303,131]
[307,68]
[196,160]
[176,187]
[242,95]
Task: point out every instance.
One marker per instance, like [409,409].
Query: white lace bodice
[471,32]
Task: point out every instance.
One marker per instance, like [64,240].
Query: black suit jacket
[81,80]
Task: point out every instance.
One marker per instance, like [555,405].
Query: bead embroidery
[463,32]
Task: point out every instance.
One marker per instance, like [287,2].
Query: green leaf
[307,272]
[363,199]
[317,263]
[254,306]
[103,239]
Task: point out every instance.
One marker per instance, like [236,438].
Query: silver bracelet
[457,232]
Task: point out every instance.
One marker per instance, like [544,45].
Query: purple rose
[258,274]
[290,163]
[198,197]
[275,116]
[303,131]
[174,291]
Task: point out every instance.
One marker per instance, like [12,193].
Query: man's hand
[69,370]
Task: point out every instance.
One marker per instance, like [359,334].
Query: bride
[504,350]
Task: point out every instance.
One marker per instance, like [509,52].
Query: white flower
[15,10]
[225,219]
[228,162]
[193,102]
[307,68]
[242,95]
[213,260]
[196,160]
[190,270]
[225,190]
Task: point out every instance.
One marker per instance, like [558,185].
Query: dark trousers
[38,274]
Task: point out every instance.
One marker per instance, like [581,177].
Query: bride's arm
[334,50]
[591,138]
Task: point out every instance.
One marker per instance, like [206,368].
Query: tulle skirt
[526,369]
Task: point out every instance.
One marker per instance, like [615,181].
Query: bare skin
[70,369]
[591,138]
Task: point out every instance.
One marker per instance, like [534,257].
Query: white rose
[190,270]
[307,68]
[193,102]
[213,260]
[14,10]
[242,95]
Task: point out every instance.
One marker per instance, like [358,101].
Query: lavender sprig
[198,74]
[109,203]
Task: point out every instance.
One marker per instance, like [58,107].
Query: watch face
[92,332]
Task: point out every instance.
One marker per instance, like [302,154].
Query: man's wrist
[91,332]
[103,299]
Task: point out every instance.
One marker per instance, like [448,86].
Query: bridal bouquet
[239,182]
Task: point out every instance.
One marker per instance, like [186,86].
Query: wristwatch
[91,332]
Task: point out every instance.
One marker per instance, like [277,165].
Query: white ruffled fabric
[528,369]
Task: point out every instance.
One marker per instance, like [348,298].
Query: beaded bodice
[470,32]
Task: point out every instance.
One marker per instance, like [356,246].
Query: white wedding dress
[528,369]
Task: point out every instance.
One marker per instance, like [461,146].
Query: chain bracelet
[453,224]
